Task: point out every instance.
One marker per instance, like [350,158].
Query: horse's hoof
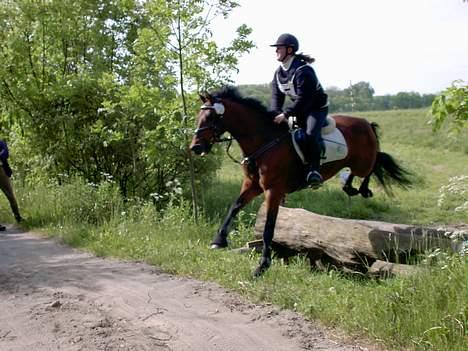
[265,263]
[259,272]
[366,193]
[217,246]
[2,228]
[350,191]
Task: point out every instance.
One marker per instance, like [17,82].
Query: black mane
[232,93]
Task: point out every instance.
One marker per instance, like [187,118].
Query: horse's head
[209,125]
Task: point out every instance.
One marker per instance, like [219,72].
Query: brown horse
[271,163]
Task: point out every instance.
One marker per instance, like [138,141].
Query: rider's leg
[313,131]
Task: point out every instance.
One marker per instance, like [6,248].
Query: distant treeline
[357,97]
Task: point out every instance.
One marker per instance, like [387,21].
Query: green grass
[411,127]
[426,311]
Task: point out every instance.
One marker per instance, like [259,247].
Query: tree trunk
[350,244]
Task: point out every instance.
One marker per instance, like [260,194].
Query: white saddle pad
[335,146]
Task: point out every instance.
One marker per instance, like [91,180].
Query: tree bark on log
[347,243]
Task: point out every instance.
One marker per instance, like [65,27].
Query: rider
[296,78]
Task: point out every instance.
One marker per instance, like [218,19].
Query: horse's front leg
[249,191]
[272,201]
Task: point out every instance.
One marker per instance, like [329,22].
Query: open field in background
[427,311]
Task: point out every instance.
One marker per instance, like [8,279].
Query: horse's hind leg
[7,188]
[348,187]
[248,192]
[364,188]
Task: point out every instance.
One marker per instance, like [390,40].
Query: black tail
[388,171]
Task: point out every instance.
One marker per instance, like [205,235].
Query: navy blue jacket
[301,84]
[4,154]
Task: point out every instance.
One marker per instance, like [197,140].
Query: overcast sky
[395,45]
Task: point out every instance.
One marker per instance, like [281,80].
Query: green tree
[261,92]
[94,88]
[59,57]
[184,27]
[451,106]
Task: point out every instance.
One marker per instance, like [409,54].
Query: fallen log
[351,244]
[382,269]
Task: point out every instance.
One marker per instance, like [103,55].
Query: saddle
[333,143]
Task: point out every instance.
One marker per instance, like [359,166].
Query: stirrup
[314,180]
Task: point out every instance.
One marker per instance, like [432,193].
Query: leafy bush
[451,106]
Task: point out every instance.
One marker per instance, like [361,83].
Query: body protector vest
[306,93]
[286,86]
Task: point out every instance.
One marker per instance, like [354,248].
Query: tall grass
[426,311]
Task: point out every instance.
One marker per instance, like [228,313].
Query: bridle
[217,126]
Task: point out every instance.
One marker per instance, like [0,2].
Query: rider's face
[281,53]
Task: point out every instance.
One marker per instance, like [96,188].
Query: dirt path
[53,297]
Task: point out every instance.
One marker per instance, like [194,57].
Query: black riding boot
[313,178]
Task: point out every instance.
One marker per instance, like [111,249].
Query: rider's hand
[281,118]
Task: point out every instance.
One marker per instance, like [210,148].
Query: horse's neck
[248,142]
[251,132]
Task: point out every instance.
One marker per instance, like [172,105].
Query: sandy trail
[53,297]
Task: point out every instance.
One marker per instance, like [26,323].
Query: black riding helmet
[287,40]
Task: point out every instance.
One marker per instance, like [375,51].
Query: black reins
[249,160]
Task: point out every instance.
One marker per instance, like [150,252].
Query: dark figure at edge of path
[5,182]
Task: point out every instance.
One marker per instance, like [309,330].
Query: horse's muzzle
[200,149]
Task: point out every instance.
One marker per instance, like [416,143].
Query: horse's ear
[206,97]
